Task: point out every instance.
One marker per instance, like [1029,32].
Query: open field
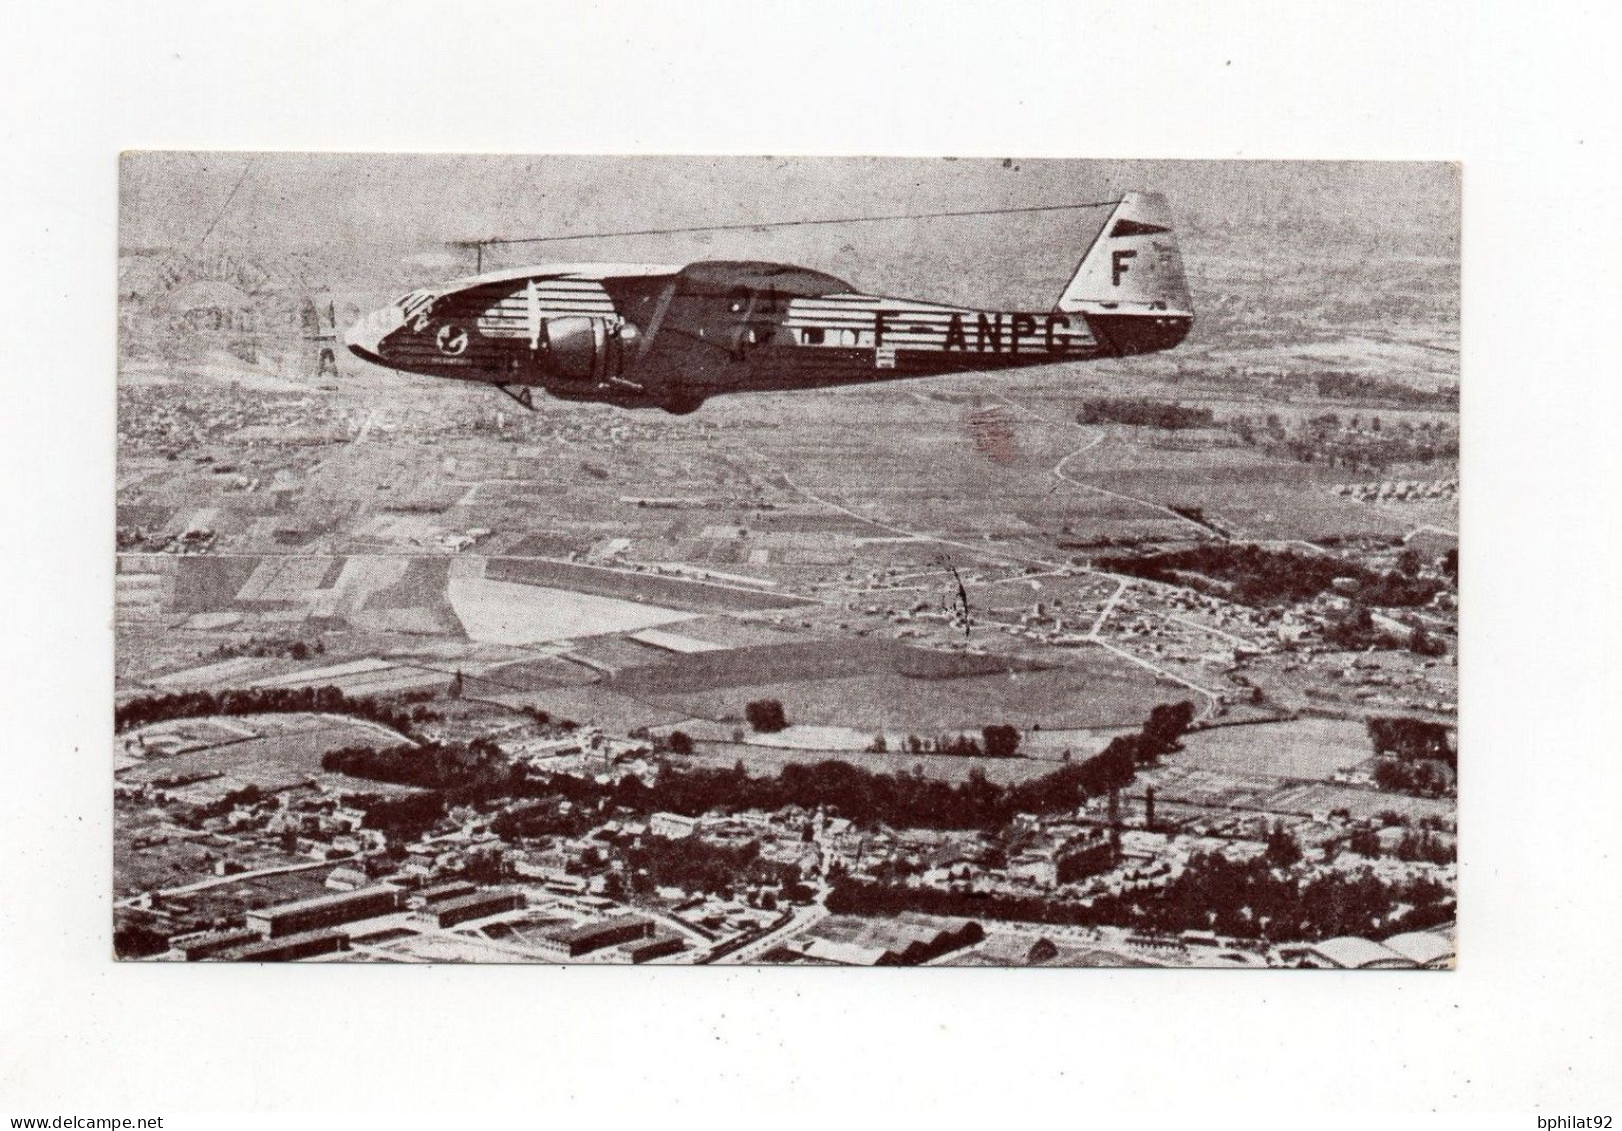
[593,705]
[812,660]
[676,593]
[1265,793]
[766,761]
[505,612]
[1102,694]
[536,674]
[286,752]
[1309,749]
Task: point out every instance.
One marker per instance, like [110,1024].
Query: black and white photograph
[809,565]
[861,562]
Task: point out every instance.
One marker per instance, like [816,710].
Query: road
[802,919]
[1121,585]
[1058,473]
[1212,699]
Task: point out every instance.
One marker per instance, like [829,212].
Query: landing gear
[522,396]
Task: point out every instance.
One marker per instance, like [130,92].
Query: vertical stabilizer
[1130,284]
[1133,265]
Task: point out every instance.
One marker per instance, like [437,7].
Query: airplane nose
[365,338]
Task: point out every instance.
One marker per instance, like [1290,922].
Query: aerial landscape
[1141,661]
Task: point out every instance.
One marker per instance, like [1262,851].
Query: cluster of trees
[1354,630]
[696,865]
[1143,411]
[766,715]
[1283,850]
[550,816]
[145,709]
[133,939]
[1428,777]
[1327,439]
[1411,739]
[249,795]
[1248,900]
[404,817]
[1414,845]
[903,800]
[430,766]
[1255,575]
[1356,386]
[999,741]
[1422,643]
[271,646]
[1415,756]
[1161,734]
[1427,846]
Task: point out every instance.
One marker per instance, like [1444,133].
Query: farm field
[286,752]
[593,705]
[505,612]
[1070,697]
[1318,797]
[765,761]
[1222,789]
[1308,749]
[533,675]
[810,660]
[690,596]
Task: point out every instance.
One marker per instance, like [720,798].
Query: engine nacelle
[579,348]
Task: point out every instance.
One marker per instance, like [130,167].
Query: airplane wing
[711,315]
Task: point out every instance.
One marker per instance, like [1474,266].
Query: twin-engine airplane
[646,336]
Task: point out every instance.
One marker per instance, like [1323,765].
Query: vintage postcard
[852,562]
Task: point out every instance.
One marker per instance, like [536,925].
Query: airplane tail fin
[1130,285]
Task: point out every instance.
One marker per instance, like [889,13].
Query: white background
[1524,95]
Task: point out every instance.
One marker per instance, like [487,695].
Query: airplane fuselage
[647,335]
[582,338]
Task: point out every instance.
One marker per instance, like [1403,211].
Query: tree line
[454,774]
[1255,575]
[1000,740]
[146,709]
[1143,411]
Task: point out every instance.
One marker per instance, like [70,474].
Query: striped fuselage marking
[759,339]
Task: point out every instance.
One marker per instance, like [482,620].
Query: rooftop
[1423,947]
[596,927]
[1351,953]
[319,902]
